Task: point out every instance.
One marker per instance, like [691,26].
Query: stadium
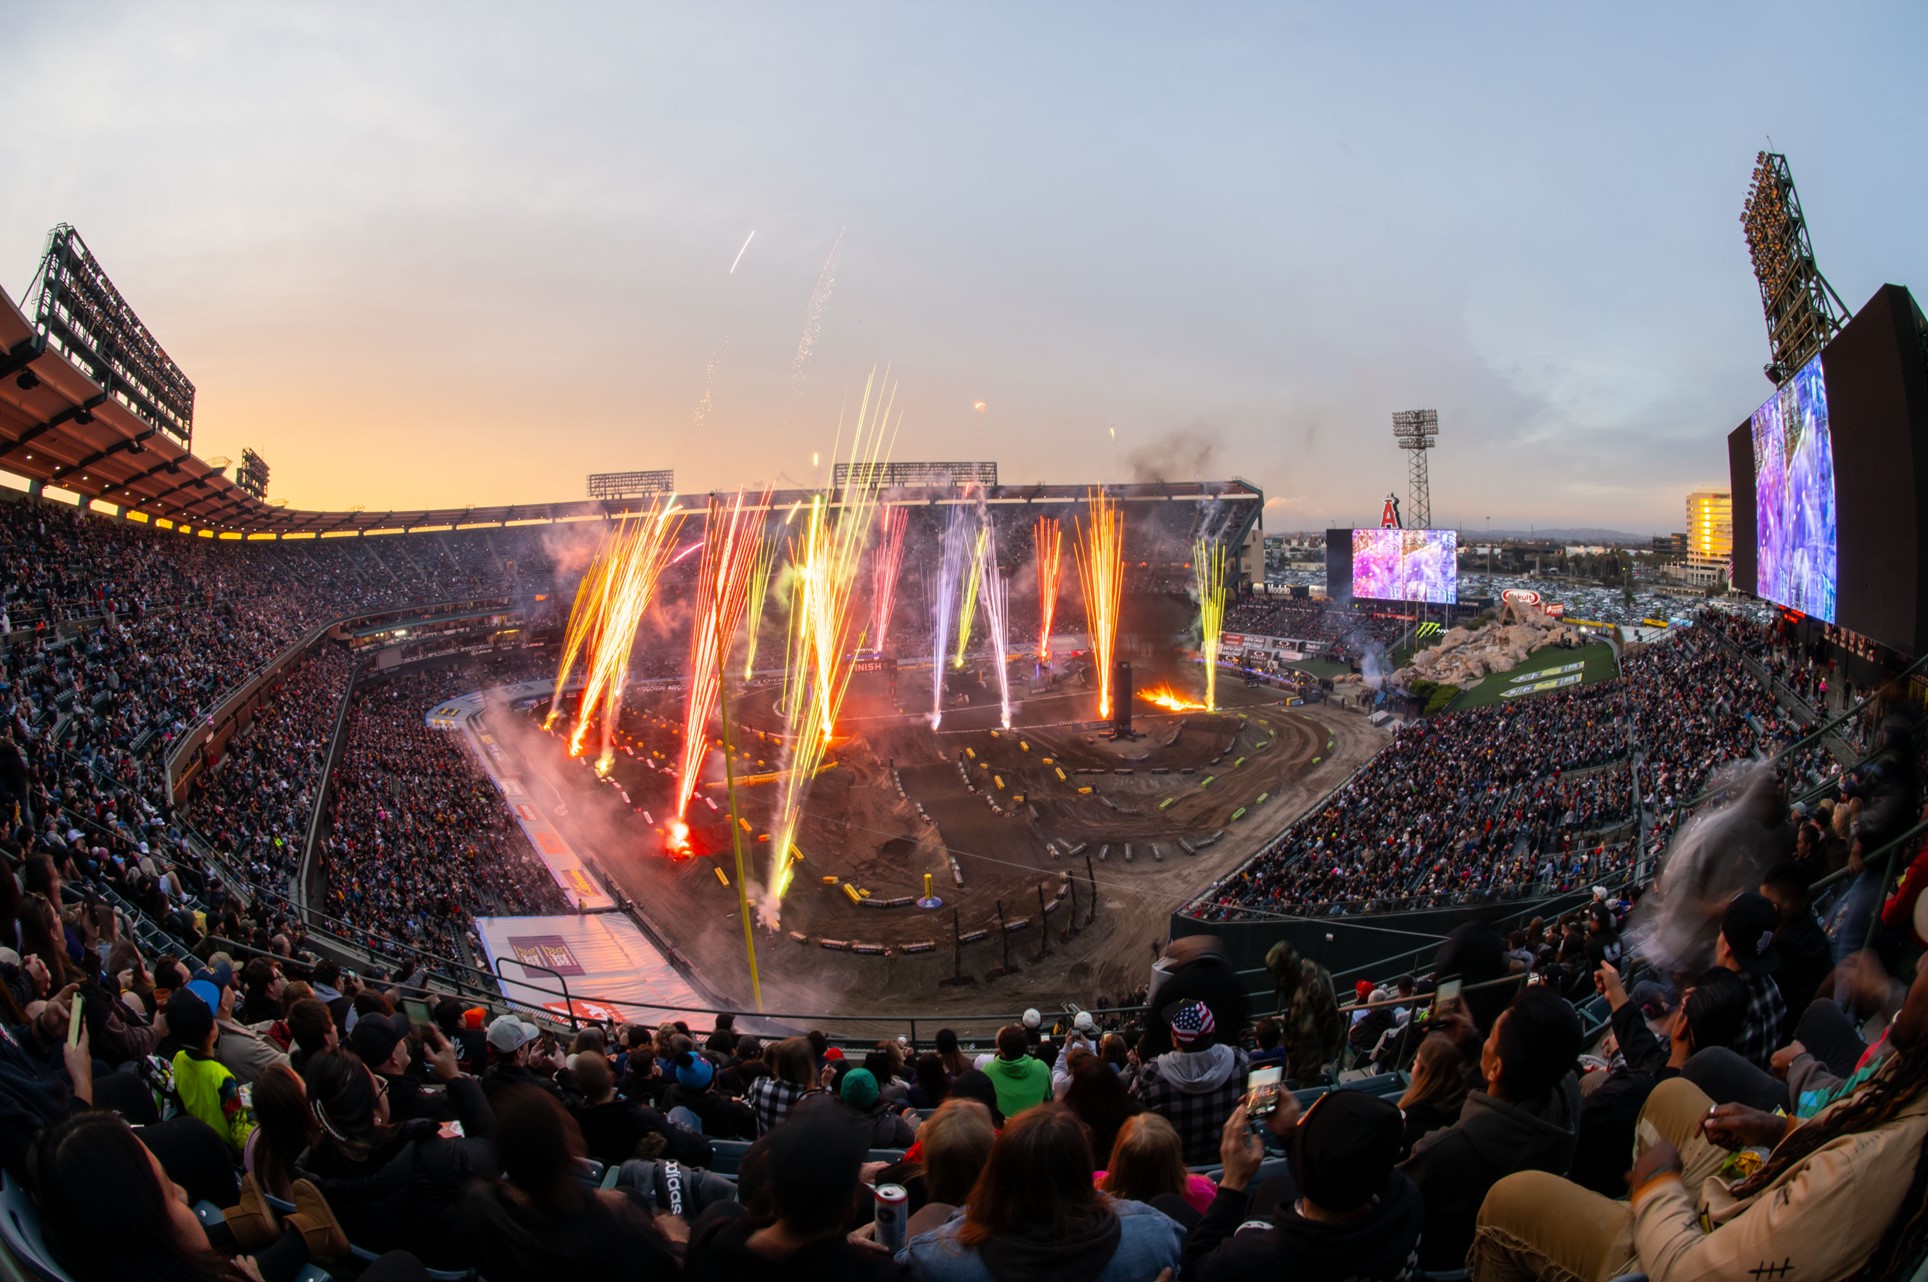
[914,874]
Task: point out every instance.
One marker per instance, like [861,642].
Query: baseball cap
[376,1036]
[221,974]
[206,991]
[509,1034]
[1083,1022]
[859,1089]
[1190,1022]
[1032,1019]
[1748,926]
[1343,1150]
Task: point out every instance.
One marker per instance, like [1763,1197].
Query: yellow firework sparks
[585,617]
[635,552]
[825,559]
[1100,549]
[969,611]
[1208,569]
[766,559]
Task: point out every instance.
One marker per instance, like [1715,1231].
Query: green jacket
[208,1091]
[1020,1083]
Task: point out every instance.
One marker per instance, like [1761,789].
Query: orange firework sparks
[1048,541]
[1100,549]
[730,544]
[636,552]
[1170,700]
[886,559]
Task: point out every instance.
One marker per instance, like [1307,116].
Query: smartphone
[451,1131]
[1446,996]
[1262,1091]
[417,1011]
[73,1019]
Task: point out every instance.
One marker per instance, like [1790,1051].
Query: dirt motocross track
[1122,815]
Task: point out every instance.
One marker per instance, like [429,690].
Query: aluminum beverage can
[893,1216]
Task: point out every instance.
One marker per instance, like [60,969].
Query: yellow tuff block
[851,891]
[720,876]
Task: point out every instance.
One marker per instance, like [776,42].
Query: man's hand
[1239,1150]
[1784,1058]
[1733,1126]
[440,1055]
[37,970]
[1661,1158]
[1606,982]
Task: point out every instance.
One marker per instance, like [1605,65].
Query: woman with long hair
[1148,1163]
[42,936]
[284,1127]
[1843,1194]
[793,1074]
[542,1219]
[956,1062]
[395,1186]
[1035,1211]
[1437,1092]
[1097,1096]
[933,1085]
[111,1214]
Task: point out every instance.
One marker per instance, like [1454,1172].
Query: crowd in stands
[1535,794]
[1572,1111]
[1468,805]
[419,839]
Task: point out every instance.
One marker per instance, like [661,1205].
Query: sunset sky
[439,254]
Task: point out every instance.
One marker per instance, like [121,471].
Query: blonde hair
[956,1143]
[1147,1160]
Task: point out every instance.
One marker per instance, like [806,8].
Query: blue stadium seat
[20,1228]
[727,1156]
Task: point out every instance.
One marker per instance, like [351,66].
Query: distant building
[1710,536]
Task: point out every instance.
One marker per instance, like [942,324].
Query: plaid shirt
[1760,1034]
[772,1099]
[1199,1116]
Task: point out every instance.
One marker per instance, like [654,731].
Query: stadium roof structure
[59,427]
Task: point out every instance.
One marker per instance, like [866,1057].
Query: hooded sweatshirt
[1130,1244]
[1380,1246]
[1021,1083]
[1455,1167]
[1195,1091]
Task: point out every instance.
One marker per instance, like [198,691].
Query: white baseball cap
[509,1034]
[1032,1019]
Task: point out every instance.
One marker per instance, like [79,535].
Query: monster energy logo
[1426,630]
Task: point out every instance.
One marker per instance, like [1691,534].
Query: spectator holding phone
[1352,1213]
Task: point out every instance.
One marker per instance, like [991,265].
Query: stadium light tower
[1803,311]
[1417,430]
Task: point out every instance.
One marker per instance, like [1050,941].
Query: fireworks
[968,609]
[1208,569]
[950,573]
[826,556]
[761,563]
[1047,540]
[886,560]
[996,615]
[616,593]
[730,546]
[1100,550]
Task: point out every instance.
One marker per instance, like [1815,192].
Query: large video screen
[1406,565]
[1795,525]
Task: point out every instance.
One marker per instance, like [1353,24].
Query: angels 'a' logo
[1389,515]
[1767,941]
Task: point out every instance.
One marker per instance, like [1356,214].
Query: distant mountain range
[1560,534]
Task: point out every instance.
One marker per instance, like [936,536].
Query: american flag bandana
[1190,1022]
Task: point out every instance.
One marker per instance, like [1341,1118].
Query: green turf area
[1597,665]
[1320,667]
